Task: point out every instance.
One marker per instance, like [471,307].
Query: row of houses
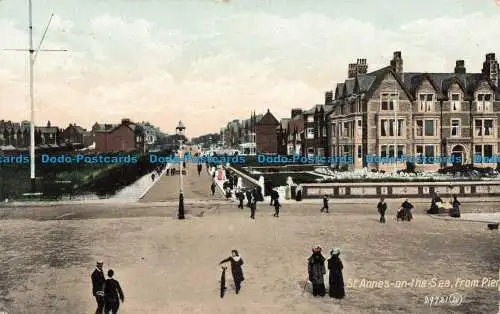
[392,113]
[125,136]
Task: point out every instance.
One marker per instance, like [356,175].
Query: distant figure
[228,193]
[212,188]
[199,169]
[404,212]
[298,196]
[325,204]
[382,207]
[335,278]
[98,281]
[153,177]
[112,294]
[253,207]
[236,270]
[316,271]
[273,197]
[241,198]
[455,211]
[277,206]
[434,210]
[249,197]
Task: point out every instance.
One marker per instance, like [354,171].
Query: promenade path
[194,187]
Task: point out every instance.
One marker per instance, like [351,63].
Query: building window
[488,151]
[359,152]
[388,101]
[478,150]
[426,102]
[479,127]
[310,119]
[455,127]
[488,127]
[419,149]
[346,129]
[359,123]
[420,127]
[429,153]
[391,151]
[429,128]
[484,150]
[383,151]
[401,151]
[334,128]
[455,102]
[483,102]
[384,127]
[310,133]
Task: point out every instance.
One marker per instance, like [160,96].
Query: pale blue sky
[207,62]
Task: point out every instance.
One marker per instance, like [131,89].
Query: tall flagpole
[32,98]
[32,58]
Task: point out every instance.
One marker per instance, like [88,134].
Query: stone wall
[401,189]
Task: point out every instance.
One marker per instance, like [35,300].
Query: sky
[207,62]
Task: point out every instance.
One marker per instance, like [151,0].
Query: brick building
[124,137]
[266,139]
[389,112]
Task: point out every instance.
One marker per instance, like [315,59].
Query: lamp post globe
[179,130]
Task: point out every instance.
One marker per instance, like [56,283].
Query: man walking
[241,198]
[325,204]
[98,286]
[112,294]
[253,207]
[277,206]
[382,207]
[199,169]
[212,188]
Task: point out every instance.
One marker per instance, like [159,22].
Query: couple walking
[316,271]
[107,292]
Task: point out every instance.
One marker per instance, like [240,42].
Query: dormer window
[426,103]
[483,102]
[388,101]
[455,102]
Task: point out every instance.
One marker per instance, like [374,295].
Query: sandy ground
[170,266]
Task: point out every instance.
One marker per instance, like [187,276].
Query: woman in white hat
[335,278]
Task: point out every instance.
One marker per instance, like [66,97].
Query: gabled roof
[268,119]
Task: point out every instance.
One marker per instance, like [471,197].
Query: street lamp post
[179,130]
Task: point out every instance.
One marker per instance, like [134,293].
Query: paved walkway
[194,186]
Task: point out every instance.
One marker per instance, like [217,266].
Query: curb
[153,183]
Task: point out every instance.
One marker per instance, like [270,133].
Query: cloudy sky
[206,62]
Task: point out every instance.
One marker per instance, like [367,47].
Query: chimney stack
[397,62]
[491,69]
[460,67]
[296,112]
[354,69]
[328,97]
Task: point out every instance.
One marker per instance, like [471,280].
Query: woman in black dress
[236,269]
[336,280]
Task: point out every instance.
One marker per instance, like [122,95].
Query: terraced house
[390,113]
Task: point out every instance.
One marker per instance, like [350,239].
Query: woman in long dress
[335,280]
[316,271]
[236,270]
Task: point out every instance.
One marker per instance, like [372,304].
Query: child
[325,204]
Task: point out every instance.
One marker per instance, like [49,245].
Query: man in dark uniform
[112,294]
[241,198]
[325,204]
[249,197]
[98,287]
[253,207]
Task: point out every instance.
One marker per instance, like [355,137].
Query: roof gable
[268,119]
[379,77]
